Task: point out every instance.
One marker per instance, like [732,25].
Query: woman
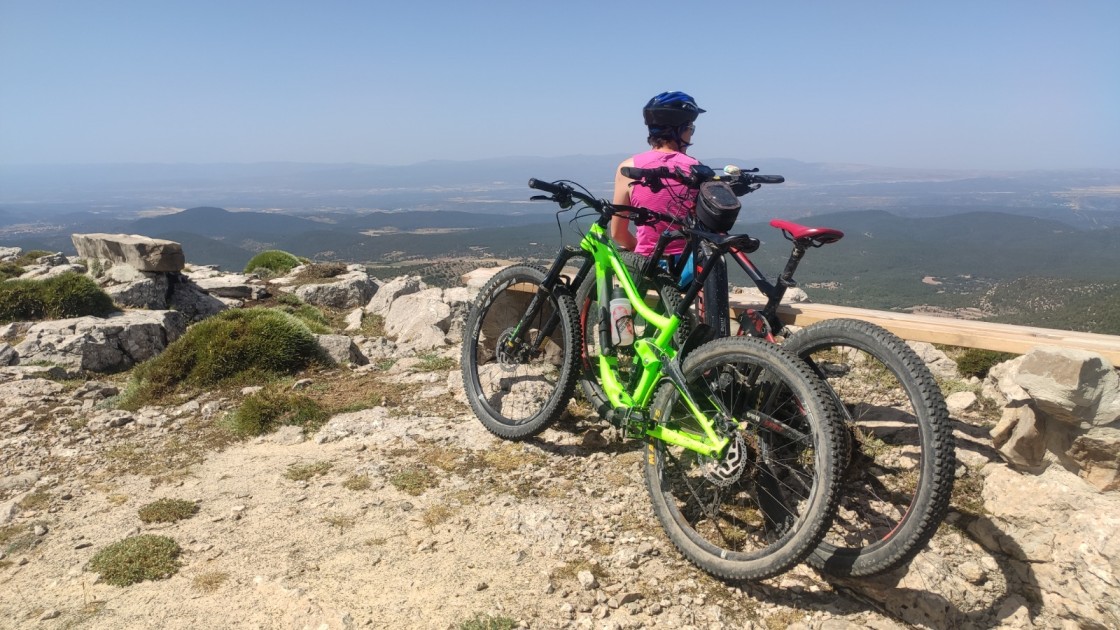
[670,117]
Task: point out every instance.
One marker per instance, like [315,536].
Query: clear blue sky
[970,84]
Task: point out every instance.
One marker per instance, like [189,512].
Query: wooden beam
[951,331]
[944,330]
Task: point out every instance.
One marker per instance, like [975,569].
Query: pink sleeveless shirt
[674,198]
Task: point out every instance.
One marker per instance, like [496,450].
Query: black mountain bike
[899,477]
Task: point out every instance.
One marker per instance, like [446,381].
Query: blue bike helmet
[667,114]
[671,109]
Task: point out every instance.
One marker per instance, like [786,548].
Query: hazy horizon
[995,86]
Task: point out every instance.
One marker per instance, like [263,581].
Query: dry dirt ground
[410,516]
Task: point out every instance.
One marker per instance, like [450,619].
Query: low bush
[275,261]
[167,511]
[136,559]
[320,271]
[9,270]
[976,362]
[235,347]
[271,408]
[308,314]
[66,295]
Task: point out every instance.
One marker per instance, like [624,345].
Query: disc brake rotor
[728,469]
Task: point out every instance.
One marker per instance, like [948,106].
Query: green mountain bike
[899,472]
[743,450]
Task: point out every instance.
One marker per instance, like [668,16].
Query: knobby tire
[896,488]
[775,512]
[517,393]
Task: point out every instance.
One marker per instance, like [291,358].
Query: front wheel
[520,353]
[763,505]
[896,488]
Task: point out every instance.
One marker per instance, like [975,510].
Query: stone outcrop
[342,349]
[939,363]
[1061,407]
[140,252]
[351,289]
[390,291]
[1059,538]
[95,344]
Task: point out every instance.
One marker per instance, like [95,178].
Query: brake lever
[540,198]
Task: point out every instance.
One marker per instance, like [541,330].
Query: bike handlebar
[564,194]
[699,174]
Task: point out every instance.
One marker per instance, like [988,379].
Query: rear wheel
[764,504]
[520,373]
[895,491]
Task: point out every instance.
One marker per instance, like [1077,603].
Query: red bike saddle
[818,235]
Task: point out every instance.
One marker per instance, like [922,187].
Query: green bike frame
[656,356]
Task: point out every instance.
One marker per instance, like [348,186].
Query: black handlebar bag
[717,207]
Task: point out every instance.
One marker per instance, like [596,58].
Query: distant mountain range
[946,238]
[49,193]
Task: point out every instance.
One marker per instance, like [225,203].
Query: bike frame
[657,359]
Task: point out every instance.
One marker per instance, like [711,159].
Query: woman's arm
[620,228]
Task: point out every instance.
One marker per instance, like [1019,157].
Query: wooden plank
[952,331]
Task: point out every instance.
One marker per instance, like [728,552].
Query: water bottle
[622,319]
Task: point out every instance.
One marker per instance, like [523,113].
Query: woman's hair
[663,136]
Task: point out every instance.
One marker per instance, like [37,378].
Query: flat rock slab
[141,252]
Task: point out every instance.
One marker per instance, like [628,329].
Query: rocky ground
[404,515]
[405,512]
[411,516]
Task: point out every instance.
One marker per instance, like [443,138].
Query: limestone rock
[1098,455]
[96,344]
[960,402]
[939,363]
[9,253]
[754,296]
[1060,538]
[1075,386]
[1000,384]
[419,320]
[351,289]
[395,288]
[235,286]
[8,354]
[141,252]
[146,290]
[1019,436]
[194,303]
[342,349]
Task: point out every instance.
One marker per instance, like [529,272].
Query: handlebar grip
[633,172]
[767,179]
[553,189]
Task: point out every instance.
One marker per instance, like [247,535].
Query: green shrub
[306,313]
[66,295]
[167,511]
[277,262]
[29,258]
[9,270]
[136,559]
[976,362]
[270,408]
[235,347]
[320,271]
